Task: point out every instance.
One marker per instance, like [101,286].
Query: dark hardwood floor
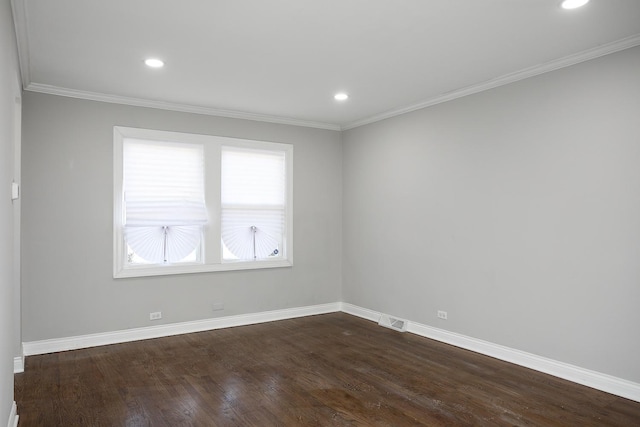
[329,370]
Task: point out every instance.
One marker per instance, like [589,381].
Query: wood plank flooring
[328,370]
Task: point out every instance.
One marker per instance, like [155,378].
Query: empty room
[327,213]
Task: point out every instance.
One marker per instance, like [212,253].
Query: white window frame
[211,247]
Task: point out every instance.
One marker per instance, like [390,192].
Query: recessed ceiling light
[154,63]
[341,97]
[573,4]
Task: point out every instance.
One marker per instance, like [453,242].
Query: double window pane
[186,203]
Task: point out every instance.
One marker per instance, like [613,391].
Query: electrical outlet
[217,306]
[442,315]
[155,315]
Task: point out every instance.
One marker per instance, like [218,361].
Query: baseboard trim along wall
[116,337]
[18,364]
[13,416]
[597,380]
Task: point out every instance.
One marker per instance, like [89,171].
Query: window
[186,203]
[164,207]
[253,203]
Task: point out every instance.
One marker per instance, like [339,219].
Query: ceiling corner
[18,9]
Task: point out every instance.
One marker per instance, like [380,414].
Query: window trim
[211,257]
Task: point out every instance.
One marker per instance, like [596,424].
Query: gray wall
[516,210]
[67,212]
[9,89]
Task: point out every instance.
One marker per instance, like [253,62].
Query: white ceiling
[283,60]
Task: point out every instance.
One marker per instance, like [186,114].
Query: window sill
[144,271]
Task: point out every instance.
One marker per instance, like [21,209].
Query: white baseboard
[576,374]
[18,364]
[115,337]
[364,313]
[13,416]
[597,380]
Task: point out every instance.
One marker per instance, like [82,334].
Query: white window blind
[164,206]
[253,202]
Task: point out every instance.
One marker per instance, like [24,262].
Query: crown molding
[171,106]
[19,12]
[546,67]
